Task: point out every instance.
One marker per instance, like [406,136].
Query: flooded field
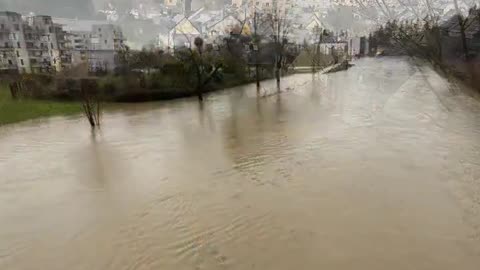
[374,168]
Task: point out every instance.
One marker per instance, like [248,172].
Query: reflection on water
[374,168]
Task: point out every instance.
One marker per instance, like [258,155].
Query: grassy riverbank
[12,110]
[21,109]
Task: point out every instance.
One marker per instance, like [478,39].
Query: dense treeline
[452,45]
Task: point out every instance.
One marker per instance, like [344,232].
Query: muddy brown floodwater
[374,168]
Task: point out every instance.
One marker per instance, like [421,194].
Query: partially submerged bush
[90,101]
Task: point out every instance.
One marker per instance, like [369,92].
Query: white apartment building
[37,44]
[95,43]
[105,42]
[46,44]
[11,38]
[32,44]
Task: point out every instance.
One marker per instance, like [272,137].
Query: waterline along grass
[16,110]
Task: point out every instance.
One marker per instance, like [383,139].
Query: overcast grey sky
[88,8]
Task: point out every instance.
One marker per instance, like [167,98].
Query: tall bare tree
[463,24]
[280,27]
[256,47]
[204,64]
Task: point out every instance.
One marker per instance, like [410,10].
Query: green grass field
[12,111]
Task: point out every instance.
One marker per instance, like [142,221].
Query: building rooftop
[78,25]
[9,13]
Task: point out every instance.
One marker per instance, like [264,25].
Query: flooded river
[374,168]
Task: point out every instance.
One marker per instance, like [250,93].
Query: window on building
[105,41]
[21,61]
[18,54]
[99,29]
[100,35]
[14,36]
[51,45]
[10,62]
[2,26]
[16,27]
[18,44]
[267,4]
[6,45]
[33,61]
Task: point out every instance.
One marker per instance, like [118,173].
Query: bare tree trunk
[317,49]
[199,85]
[98,113]
[257,75]
[461,24]
[14,89]
[277,73]
[438,40]
[90,101]
[463,36]
[255,26]
[280,29]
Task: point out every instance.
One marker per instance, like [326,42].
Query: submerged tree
[255,48]
[90,101]
[205,64]
[280,28]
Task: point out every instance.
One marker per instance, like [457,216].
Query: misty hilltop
[69,8]
[64,8]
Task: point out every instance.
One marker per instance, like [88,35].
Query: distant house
[314,23]
[358,46]
[210,25]
[306,27]
[330,43]
[170,3]
[182,34]
[226,26]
